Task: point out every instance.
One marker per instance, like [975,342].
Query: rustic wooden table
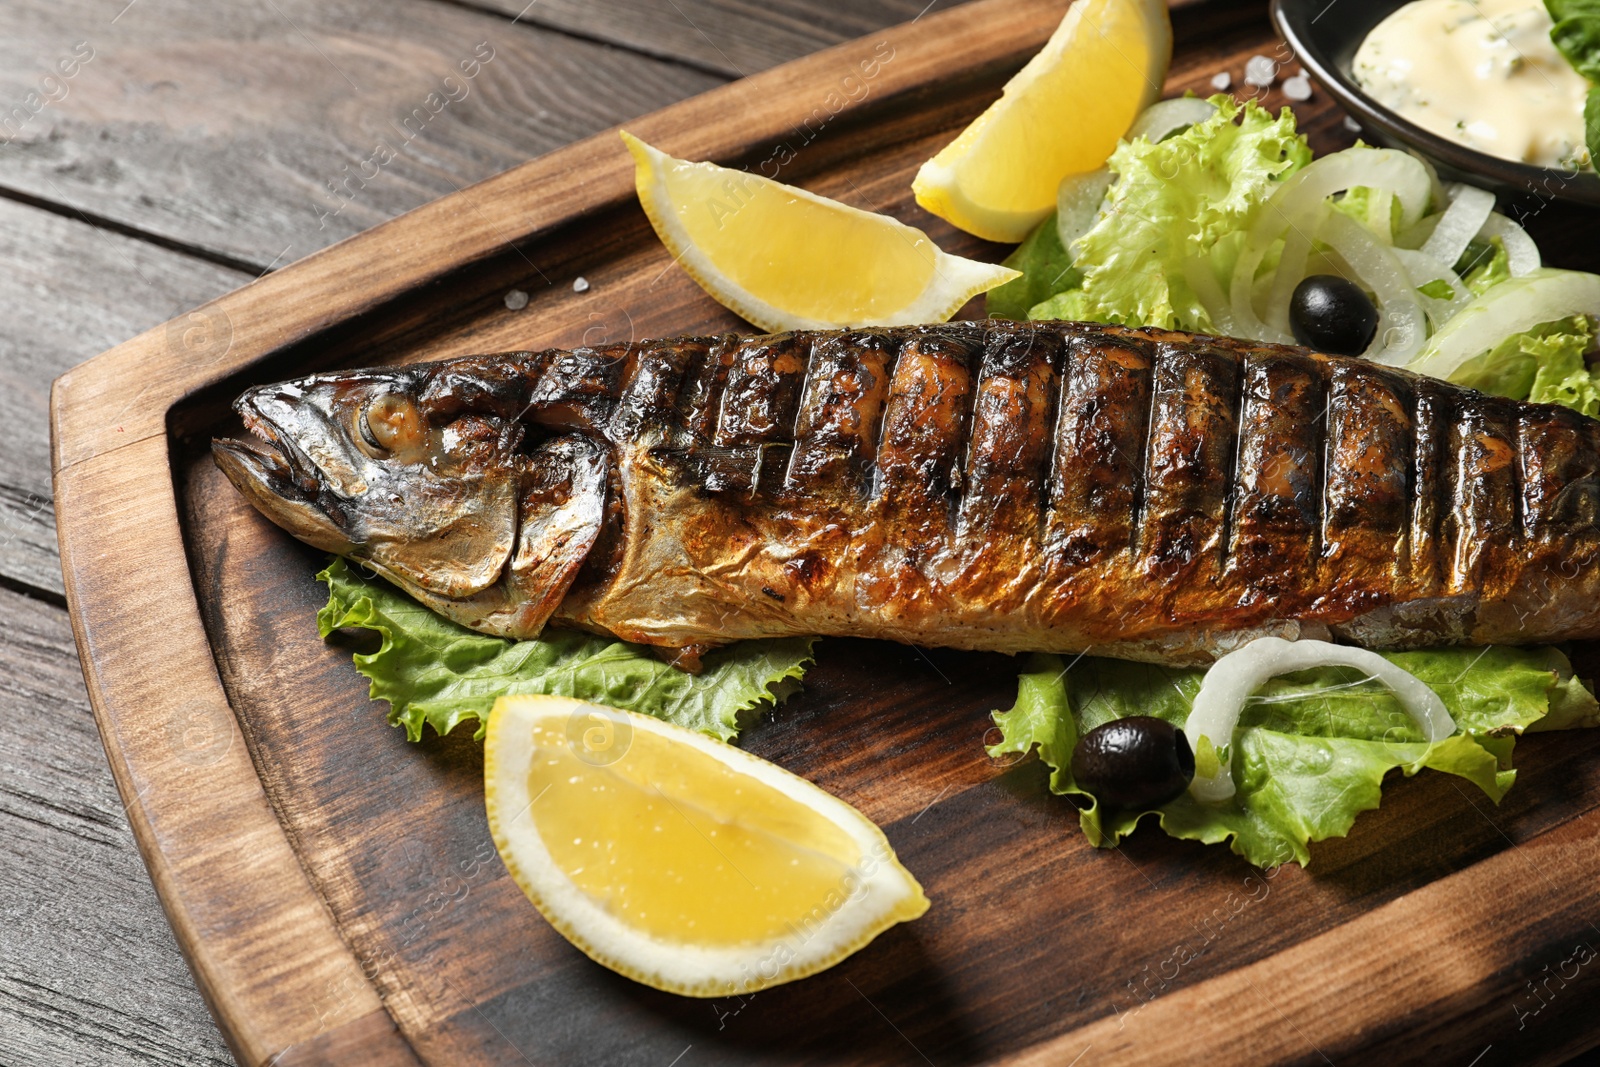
[155,154]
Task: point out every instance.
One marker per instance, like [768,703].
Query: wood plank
[263,133]
[257,935]
[489,227]
[1508,944]
[92,973]
[733,38]
[68,291]
[1033,935]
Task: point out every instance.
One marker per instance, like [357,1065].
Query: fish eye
[390,423]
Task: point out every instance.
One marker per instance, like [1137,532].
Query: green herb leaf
[1312,748]
[1576,34]
[1046,269]
[433,671]
[1483,265]
[1438,289]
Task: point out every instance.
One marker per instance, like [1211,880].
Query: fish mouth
[268,457]
[275,475]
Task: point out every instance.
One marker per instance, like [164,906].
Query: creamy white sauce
[1481,73]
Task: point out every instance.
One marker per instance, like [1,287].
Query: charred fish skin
[986,485]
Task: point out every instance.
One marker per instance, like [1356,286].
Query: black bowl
[1325,35]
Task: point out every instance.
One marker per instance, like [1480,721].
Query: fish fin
[558,529]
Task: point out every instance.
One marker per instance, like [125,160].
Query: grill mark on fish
[1098,448]
[994,485]
[1188,471]
[756,406]
[1009,440]
[836,430]
[1366,502]
[1432,415]
[922,436]
[1230,490]
[1483,503]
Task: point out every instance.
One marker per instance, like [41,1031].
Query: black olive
[1138,762]
[1331,314]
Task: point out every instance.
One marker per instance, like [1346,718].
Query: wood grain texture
[68,291]
[180,764]
[1020,899]
[262,133]
[391,886]
[733,38]
[91,972]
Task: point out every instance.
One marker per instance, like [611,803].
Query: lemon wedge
[788,259]
[1060,115]
[678,860]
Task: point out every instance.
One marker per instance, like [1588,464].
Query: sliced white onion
[1423,269]
[1521,253]
[1300,202]
[1380,216]
[1291,269]
[1231,680]
[1402,323]
[1436,196]
[1469,209]
[1203,280]
[1512,307]
[1168,116]
[1078,200]
[1416,236]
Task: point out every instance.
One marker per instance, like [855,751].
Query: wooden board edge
[265,952]
[117,517]
[1474,941]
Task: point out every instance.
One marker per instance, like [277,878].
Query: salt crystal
[581,285]
[516,300]
[1260,72]
[1297,87]
[1220,82]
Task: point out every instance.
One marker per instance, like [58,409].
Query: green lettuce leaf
[1312,748]
[1591,124]
[1377,210]
[1484,264]
[434,672]
[1188,197]
[1576,34]
[1545,364]
[1046,269]
[1438,289]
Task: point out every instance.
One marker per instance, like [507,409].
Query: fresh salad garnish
[1216,228]
[1311,748]
[436,673]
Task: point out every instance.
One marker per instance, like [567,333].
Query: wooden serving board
[336,890]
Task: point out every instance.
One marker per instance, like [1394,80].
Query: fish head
[351,463]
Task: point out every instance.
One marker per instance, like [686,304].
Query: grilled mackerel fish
[983,485]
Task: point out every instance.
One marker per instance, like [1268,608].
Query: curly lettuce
[1189,197]
[1312,749]
[1546,364]
[434,672]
